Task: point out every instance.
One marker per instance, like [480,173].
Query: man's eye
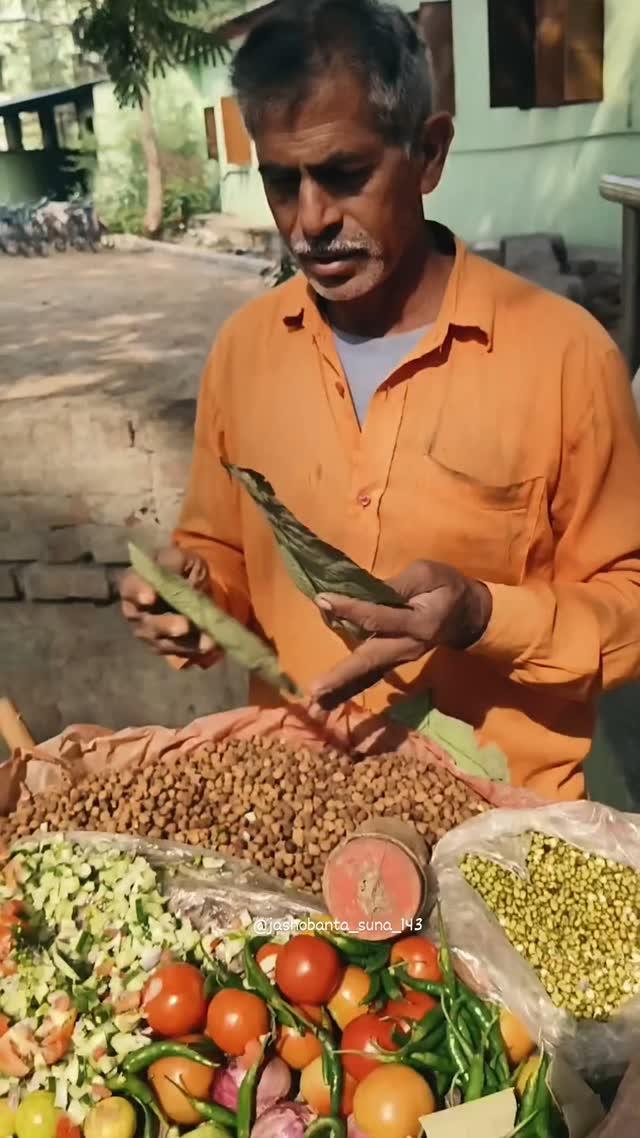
[284,184]
[346,181]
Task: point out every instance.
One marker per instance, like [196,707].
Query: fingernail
[147,598]
[324,603]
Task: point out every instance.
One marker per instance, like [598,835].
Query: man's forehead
[332,118]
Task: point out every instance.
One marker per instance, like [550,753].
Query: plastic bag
[494,967]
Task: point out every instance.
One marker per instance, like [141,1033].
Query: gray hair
[289,50]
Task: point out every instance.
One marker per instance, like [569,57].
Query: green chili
[132,1087]
[326,1128]
[367,954]
[375,989]
[475,1085]
[529,1113]
[247,1095]
[260,983]
[139,1093]
[543,1102]
[429,987]
[208,1111]
[390,986]
[140,1060]
[442,1084]
[428,1061]
[446,960]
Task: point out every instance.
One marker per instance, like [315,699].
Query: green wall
[24,176]
[177,104]
[510,171]
[517,171]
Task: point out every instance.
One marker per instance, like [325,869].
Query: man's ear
[437,137]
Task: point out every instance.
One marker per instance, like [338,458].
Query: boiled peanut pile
[282,810]
[575,917]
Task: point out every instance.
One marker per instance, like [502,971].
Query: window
[236,140]
[436,24]
[211,132]
[546,53]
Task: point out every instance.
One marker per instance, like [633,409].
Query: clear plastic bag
[493,966]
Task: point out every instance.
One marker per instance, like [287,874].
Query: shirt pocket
[485,530]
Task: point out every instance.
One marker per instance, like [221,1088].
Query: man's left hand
[444,608]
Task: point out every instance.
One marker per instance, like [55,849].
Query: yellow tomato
[527,1073]
[315,1090]
[347,1003]
[391,1101]
[517,1040]
[7,1120]
[111,1118]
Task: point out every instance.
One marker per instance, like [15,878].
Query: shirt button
[364,500]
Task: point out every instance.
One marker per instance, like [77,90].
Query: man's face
[347,203]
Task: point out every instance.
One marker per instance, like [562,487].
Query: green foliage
[142,40]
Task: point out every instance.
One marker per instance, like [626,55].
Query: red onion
[286,1120]
[353,1130]
[274,1085]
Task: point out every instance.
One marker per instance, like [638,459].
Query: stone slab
[45,582]
[79,663]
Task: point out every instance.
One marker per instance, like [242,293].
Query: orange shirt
[506,445]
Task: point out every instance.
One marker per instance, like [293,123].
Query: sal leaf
[230,636]
[455,737]
[314,566]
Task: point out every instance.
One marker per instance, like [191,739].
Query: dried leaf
[231,636]
[314,566]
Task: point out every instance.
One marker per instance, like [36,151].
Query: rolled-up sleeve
[582,629]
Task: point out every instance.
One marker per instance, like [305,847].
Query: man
[449,426]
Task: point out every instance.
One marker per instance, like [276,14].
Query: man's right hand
[167,633]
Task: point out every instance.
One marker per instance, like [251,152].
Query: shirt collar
[468,305]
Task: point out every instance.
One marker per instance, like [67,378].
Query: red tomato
[173,1000]
[365,1034]
[267,956]
[420,955]
[67,1129]
[235,1018]
[308,970]
[405,1011]
[410,1008]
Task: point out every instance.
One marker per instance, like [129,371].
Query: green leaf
[314,566]
[231,636]
[455,737]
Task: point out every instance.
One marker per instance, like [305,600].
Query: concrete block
[8,583]
[535,252]
[41,582]
[21,544]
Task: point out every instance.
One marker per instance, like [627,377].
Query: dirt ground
[126,326]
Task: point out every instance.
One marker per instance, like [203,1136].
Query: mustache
[307,250]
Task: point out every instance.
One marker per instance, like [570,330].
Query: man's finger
[366,666]
[379,620]
[170,626]
[134,589]
[420,577]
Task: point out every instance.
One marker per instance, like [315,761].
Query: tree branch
[33,20]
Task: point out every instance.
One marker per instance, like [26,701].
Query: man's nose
[318,211]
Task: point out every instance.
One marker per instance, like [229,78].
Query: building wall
[178,106]
[510,171]
[515,171]
[24,176]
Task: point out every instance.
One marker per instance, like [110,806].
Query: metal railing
[626,192]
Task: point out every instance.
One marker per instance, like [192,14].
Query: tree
[139,40]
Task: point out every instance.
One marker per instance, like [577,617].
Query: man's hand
[443,608]
[167,633]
